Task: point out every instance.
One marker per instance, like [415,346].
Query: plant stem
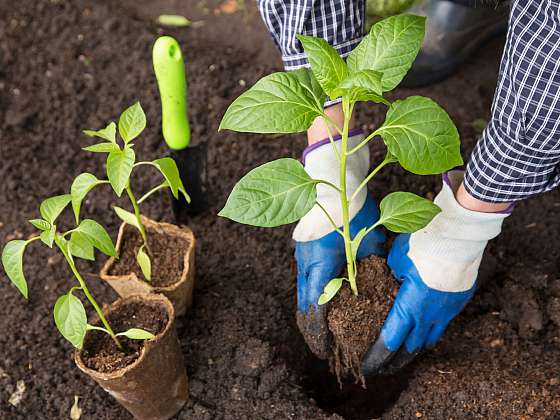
[347,109]
[90,297]
[333,224]
[153,190]
[363,143]
[138,218]
[388,159]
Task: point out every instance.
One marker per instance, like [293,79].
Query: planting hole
[352,402]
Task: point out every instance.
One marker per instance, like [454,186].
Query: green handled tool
[190,158]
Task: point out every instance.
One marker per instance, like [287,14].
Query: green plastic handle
[170,74]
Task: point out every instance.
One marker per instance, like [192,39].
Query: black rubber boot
[453,32]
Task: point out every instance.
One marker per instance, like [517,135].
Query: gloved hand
[437,268]
[320,253]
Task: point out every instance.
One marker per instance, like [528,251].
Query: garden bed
[69,65]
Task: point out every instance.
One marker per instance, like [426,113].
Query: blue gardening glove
[320,253]
[437,268]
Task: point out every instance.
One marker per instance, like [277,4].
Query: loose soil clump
[100,351]
[167,254]
[355,321]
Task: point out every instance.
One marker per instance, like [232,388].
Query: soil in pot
[167,253]
[355,321]
[100,352]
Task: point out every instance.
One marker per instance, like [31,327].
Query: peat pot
[149,378]
[173,265]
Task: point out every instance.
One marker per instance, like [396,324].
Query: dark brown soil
[355,321]
[100,352]
[167,256]
[70,65]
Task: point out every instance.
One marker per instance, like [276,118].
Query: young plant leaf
[51,208]
[47,236]
[132,122]
[70,319]
[81,186]
[119,168]
[390,48]
[169,170]
[364,85]
[97,236]
[144,262]
[173,20]
[12,260]
[108,133]
[326,64]
[420,134]
[277,103]
[102,148]
[127,217]
[80,246]
[404,212]
[40,224]
[137,334]
[330,290]
[356,241]
[273,194]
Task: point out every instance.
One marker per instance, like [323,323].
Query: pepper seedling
[417,132]
[69,312]
[121,160]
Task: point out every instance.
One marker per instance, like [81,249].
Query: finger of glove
[393,334]
[400,360]
[313,326]
[435,334]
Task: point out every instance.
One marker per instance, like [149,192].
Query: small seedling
[417,132]
[69,312]
[121,160]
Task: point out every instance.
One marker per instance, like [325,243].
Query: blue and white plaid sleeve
[339,22]
[518,154]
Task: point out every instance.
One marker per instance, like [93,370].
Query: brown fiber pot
[180,293]
[155,386]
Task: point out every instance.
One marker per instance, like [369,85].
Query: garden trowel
[190,158]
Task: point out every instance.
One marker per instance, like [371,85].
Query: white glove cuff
[447,252]
[321,162]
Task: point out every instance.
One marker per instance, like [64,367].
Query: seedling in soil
[417,132]
[121,160]
[69,312]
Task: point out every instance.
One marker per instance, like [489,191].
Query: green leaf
[102,148]
[273,194]
[277,103]
[119,168]
[137,334]
[40,224]
[80,246]
[404,212]
[12,260]
[390,48]
[97,236]
[420,134]
[70,318]
[47,236]
[51,208]
[83,184]
[132,122]
[127,217]
[144,262]
[169,170]
[364,85]
[355,243]
[327,66]
[330,290]
[174,20]
[108,133]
